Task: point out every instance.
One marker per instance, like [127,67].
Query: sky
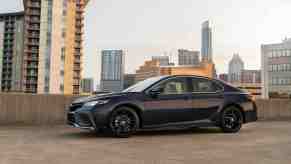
[145,28]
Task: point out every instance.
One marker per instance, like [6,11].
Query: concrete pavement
[257,143]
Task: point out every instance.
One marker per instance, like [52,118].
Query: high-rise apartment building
[11,51]
[206,41]
[235,67]
[52,46]
[276,68]
[187,57]
[112,70]
[164,60]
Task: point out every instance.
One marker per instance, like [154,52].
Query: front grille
[71,118]
[75,107]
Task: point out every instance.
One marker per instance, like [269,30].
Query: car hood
[98,97]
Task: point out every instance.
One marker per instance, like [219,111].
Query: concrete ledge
[50,109]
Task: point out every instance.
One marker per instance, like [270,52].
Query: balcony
[79,24]
[33,20]
[31,51]
[33,35]
[30,82]
[33,4]
[32,66]
[77,68]
[79,9]
[77,61]
[79,31]
[31,75]
[31,58]
[35,28]
[78,38]
[32,43]
[33,12]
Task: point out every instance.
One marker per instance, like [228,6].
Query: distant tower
[236,66]
[206,49]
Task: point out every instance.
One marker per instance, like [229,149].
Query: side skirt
[187,124]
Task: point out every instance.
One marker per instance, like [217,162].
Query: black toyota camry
[165,101]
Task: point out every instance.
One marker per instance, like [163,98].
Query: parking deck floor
[257,143]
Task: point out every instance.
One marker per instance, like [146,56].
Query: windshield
[141,86]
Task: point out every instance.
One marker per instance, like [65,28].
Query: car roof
[205,77]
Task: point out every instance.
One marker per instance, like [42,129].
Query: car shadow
[144,133]
[178,131]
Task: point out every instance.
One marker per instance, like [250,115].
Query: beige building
[48,47]
[152,68]
[53,46]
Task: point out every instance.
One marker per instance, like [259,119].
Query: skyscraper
[206,41]
[11,51]
[187,57]
[112,71]
[235,68]
[52,46]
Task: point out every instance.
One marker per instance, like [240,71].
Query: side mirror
[156,91]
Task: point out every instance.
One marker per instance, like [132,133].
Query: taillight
[251,97]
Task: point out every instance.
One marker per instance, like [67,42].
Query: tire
[123,122]
[231,120]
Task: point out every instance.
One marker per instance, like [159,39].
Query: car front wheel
[231,120]
[123,122]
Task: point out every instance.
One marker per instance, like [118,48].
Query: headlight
[97,102]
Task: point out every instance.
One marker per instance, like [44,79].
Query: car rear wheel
[231,120]
[123,122]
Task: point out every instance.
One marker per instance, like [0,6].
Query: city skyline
[180,28]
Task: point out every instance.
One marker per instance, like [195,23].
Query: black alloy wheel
[231,120]
[123,122]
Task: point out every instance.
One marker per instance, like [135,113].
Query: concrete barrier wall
[33,109]
[50,109]
[274,109]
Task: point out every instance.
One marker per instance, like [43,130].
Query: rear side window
[204,85]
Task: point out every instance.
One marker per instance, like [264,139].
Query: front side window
[204,85]
[174,86]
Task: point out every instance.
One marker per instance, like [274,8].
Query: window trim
[189,82]
[170,78]
[211,80]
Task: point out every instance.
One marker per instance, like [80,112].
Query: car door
[206,98]
[170,105]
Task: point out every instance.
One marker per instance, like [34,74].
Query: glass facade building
[206,41]
[112,70]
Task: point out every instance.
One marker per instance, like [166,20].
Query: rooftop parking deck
[257,143]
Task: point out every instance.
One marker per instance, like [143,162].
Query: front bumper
[81,120]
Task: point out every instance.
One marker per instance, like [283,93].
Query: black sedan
[165,101]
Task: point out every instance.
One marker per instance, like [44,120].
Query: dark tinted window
[204,85]
[174,86]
